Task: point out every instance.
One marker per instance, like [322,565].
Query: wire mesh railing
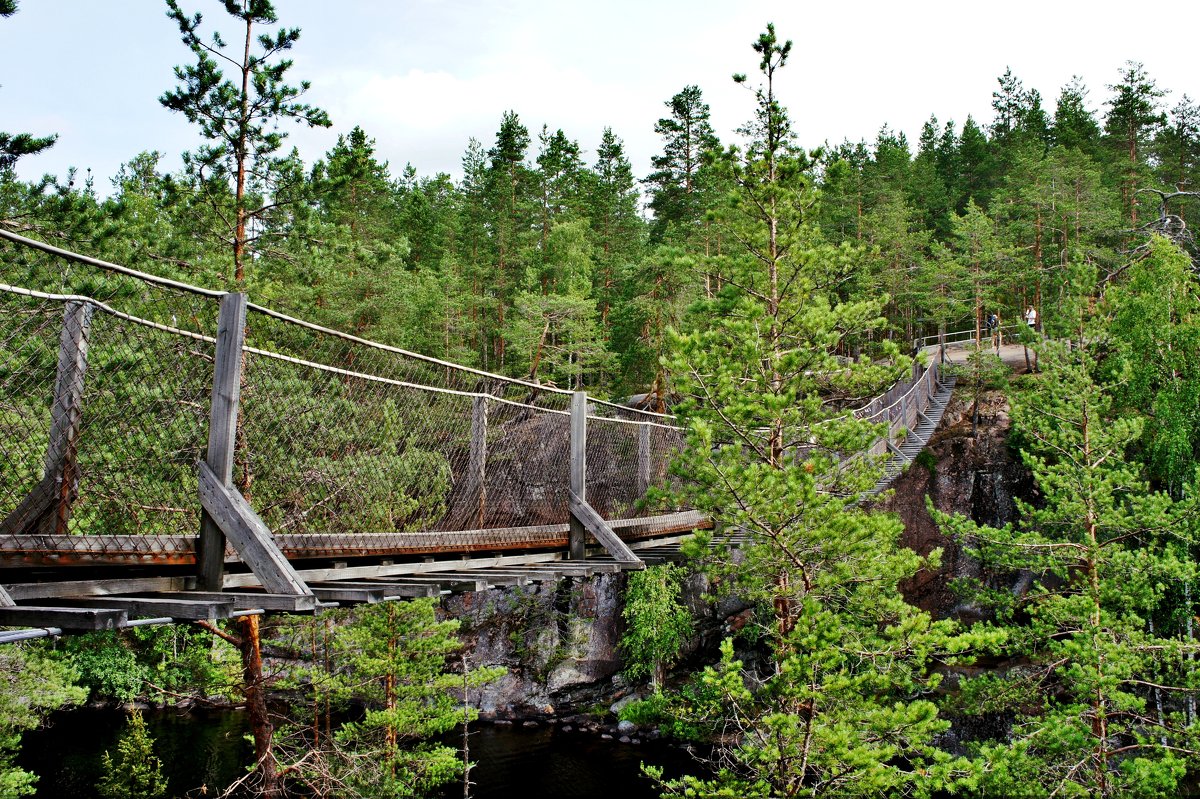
[343,446]
[102,417]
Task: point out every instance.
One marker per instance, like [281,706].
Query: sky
[422,77]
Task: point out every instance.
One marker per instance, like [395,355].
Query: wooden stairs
[917,438]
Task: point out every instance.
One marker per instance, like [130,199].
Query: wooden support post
[578,536]
[587,517]
[477,469]
[62,455]
[232,514]
[643,483]
[46,510]
[222,430]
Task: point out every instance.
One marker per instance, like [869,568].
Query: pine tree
[509,181]
[135,772]
[677,196]
[1132,120]
[1074,124]
[770,454]
[1100,707]
[240,118]
[393,657]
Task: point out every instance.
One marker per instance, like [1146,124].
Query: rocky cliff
[978,476]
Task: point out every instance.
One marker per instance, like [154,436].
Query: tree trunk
[256,708]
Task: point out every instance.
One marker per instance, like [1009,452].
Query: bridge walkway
[312,435]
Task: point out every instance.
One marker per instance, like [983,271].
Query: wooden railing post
[62,454]
[643,483]
[578,535]
[477,468]
[47,508]
[222,431]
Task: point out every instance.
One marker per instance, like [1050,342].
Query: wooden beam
[577,537]
[599,529]
[66,415]
[477,460]
[21,591]
[253,541]
[6,601]
[366,596]
[443,579]
[375,572]
[389,590]
[155,607]
[571,568]
[222,432]
[65,618]
[643,481]
[249,599]
[497,577]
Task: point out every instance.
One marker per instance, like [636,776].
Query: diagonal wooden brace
[594,524]
[254,543]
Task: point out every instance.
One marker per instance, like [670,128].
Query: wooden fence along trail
[173,453]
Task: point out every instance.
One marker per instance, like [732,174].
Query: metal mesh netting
[269,330]
[38,267]
[328,455]
[104,406]
[629,454]
[103,418]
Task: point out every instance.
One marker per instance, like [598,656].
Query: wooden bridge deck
[54,579]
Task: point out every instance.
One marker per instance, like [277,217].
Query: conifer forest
[758,288]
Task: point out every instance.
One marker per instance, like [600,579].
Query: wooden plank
[577,537]
[574,568]
[248,599]
[442,578]
[477,460]
[222,431]
[389,590]
[6,601]
[65,618]
[153,607]
[600,530]
[497,577]
[22,591]
[367,596]
[396,569]
[66,414]
[249,536]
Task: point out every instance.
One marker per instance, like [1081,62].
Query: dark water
[207,748]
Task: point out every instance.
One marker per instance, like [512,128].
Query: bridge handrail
[193,289]
[444,364]
[959,336]
[58,252]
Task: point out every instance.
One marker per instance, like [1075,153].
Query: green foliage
[844,712]
[1156,330]
[392,659]
[32,685]
[657,622]
[135,772]
[1100,708]
[125,665]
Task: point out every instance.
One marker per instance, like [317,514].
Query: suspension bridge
[317,467]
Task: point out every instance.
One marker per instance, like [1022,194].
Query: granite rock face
[978,476]
[558,641]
